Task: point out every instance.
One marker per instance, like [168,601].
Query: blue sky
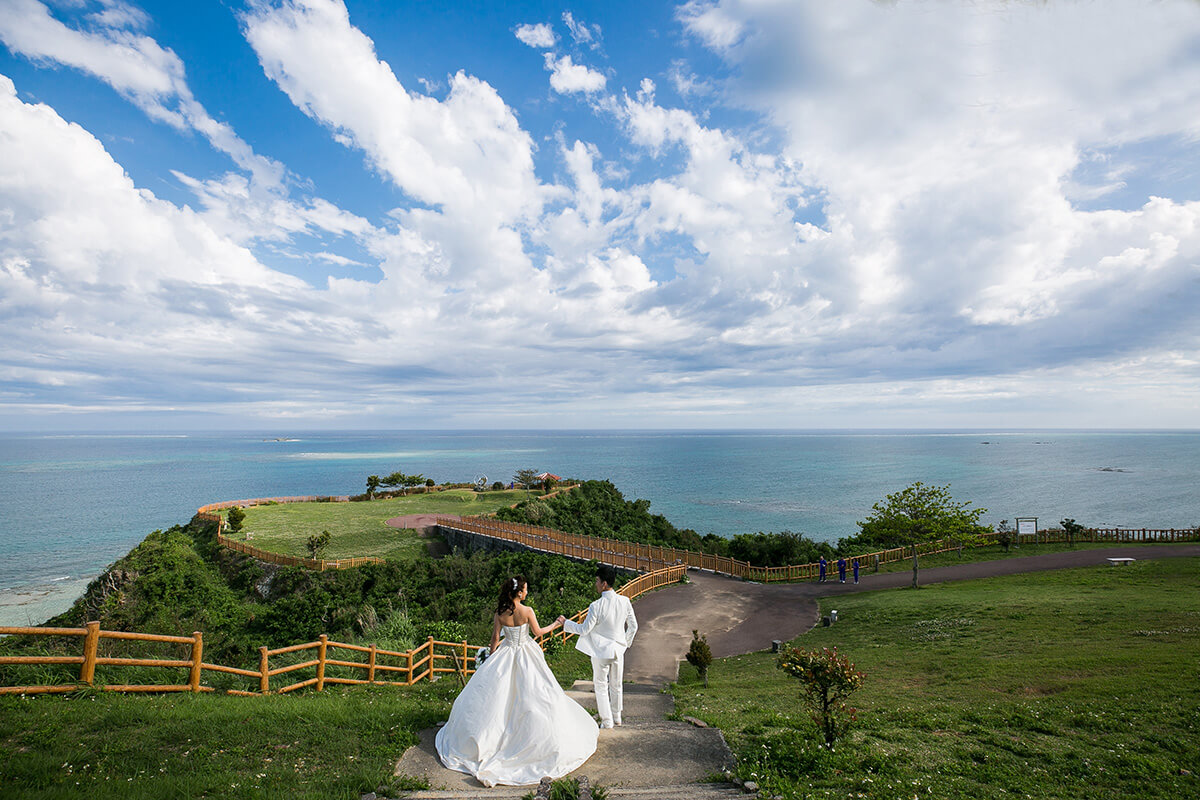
[720,213]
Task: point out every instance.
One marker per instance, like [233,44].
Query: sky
[323,214]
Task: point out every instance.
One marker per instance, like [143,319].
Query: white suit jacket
[607,631]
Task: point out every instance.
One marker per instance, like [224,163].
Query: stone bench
[1121,561]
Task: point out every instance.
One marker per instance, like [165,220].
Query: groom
[605,634]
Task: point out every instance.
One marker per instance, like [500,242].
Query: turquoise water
[75,503]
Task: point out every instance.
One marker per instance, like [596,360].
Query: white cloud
[153,78]
[567,77]
[945,170]
[874,228]
[150,76]
[107,289]
[581,32]
[540,36]
[465,154]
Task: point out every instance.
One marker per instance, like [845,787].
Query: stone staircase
[649,757]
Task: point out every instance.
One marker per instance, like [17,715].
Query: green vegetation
[1072,684]
[178,581]
[360,529]
[597,508]
[917,515]
[699,655]
[337,744]
[827,680]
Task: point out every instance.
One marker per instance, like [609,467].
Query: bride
[513,724]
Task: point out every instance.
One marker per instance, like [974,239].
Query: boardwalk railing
[643,557]
[371,664]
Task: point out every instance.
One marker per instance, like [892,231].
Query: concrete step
[691,791]
[648,750]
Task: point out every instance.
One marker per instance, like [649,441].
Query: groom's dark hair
[607,574]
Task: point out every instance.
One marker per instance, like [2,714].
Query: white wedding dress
[512,723]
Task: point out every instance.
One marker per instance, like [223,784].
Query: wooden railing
[319,564]
[643,557]
[421,663]
[425,662]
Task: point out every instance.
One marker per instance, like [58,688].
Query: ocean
[74,503]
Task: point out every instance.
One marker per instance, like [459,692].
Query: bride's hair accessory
[514,584]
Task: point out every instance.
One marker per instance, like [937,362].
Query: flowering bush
[827,679]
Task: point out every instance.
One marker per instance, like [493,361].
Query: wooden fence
[209,513]
[643,557]
[319,564]
[376,665]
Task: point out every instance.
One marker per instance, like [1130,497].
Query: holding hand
[560,619]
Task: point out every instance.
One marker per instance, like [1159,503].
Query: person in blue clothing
[841,570]
[821,567]
[855,562]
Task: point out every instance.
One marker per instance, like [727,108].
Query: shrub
[827,680]
[444,630]
[235,517]
[1072,529]
[699,655]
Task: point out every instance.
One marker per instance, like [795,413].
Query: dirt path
[739,617]
[417,522]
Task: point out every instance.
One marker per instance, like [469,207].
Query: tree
[548,485]
[235,517]
[372,484]
[918,515]
[1004,534]
[393,480]
[1072,529]
[827,679]
[497,486]
[317,544]
[525,478]
[412,480]
[699,655]
[430,483]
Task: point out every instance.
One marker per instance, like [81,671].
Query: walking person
[605,634]
[855,563]
[841,570]
[821,568]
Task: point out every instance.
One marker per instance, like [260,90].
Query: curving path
[739,617]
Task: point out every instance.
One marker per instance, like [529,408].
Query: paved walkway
[739,617]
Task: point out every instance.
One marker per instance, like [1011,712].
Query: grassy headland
[360,529]
[1073,684]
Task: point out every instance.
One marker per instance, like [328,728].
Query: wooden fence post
[371,666]
[91,642]
[197,651]
[321,661]
[464,659]
[264,679]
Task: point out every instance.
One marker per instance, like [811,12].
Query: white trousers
[607,677]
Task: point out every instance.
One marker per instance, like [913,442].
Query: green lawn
[337,744]
[360,529]
[1073,684]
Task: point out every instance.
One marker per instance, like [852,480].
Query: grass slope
[360,529]
[1075,684]
[338,744]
